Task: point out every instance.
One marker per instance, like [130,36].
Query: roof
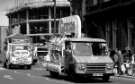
[40,3]
[87,39]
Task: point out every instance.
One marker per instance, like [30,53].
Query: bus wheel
[53,74]
[106,78]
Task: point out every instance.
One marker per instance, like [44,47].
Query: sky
[4,6]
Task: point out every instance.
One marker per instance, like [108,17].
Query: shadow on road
[77,80]
[18,68]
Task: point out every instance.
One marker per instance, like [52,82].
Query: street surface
[38,75]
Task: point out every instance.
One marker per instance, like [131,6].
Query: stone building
[3,35]
[113,20]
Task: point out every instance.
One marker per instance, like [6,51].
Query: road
[38,75]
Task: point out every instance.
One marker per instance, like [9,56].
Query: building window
[90,3]
[107,0]
[41,13]
[61,12]
[38,28]
[54,30]
[95,2]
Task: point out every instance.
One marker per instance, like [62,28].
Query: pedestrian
[112,53]
[114,57]
[120,61]
[127,57]
[128,63]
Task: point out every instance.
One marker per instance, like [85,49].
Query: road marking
[39,69]
[1,68]
[8,77]
[29,75]
[15,71]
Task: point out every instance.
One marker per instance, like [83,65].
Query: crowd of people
[123,61]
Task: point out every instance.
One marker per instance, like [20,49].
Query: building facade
[113,20]
[37,18]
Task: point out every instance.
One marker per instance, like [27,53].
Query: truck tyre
[72,77]
[4,65]
[28,66]
[106,78]
[54,74]
[8,66]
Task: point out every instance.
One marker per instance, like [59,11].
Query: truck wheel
[106,78]
[28,66]
[5,66]
[54,74]
[8,66]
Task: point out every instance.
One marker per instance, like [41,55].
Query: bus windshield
[89,49]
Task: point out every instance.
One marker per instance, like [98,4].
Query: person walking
[114,57]
[119,61]
[128,63]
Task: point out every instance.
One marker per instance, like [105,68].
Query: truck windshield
[20,47]
[89,49]
[82,48]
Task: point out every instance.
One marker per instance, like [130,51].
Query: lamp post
[70,7]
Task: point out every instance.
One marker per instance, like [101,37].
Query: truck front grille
[95,68]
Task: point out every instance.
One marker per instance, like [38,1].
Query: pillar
[114,30]
[27,22]
[107,33]
[83,11]
[129,28]
[49,16]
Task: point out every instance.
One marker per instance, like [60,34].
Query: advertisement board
[69,25]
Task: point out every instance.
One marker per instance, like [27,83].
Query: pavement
[126,76]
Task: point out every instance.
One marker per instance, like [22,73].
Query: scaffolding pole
[54,16]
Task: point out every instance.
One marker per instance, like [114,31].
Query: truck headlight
[109,66]
[82,66]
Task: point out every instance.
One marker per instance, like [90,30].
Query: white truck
[18,52]
[77,56]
